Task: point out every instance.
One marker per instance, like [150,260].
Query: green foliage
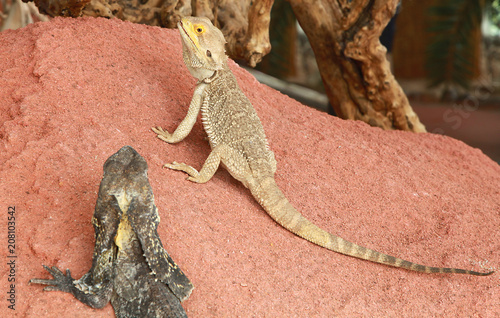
[449,57]
[493,12]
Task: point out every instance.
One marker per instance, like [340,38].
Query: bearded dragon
[130,267]
[238,142]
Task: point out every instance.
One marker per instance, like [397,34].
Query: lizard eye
[209,54]
[199,29]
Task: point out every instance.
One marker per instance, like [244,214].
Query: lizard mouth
[180,25]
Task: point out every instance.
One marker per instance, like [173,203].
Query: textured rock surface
[73,91]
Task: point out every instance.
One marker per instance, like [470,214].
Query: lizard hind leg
[234,162]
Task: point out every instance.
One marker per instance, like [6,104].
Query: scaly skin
[238,141]
[130,267]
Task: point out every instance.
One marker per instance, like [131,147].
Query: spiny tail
[279,208]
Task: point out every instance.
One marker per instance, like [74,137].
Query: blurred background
[447,62]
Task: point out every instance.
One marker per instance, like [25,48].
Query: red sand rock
[73,91]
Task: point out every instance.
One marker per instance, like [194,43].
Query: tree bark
[344,36]
[256,43]
[245,23]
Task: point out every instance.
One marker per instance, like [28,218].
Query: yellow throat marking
[125,231]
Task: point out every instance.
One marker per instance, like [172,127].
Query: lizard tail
[279,208]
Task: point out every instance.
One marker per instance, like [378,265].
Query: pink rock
[74,91]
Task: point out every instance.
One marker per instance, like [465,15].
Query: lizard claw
[162,134]
[193,179]
[158,130]
[61,282]
[192,172]
[172,165]
[178,166]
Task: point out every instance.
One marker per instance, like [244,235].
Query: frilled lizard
[237,139]
[130,267]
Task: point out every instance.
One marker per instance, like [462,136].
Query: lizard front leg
[97,298]
[187,123]
[234,161]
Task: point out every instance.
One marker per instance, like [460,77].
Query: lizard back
[237,127]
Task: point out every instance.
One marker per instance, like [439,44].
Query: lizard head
[202,46]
